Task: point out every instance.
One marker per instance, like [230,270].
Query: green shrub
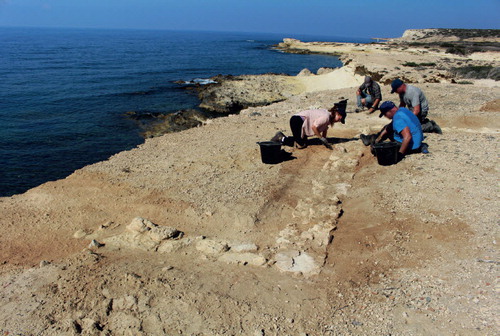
[447,45]
[410,64]
[413,64]
[457,50]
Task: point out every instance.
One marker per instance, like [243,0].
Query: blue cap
[386,106]
[396,84]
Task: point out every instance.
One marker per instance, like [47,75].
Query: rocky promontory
[483,37]
[420,56]
[231,94]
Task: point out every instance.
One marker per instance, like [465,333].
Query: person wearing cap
[405,128]
[368,95]
[312,123]
[414,99]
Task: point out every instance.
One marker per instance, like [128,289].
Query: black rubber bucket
[386,153]
[270,152]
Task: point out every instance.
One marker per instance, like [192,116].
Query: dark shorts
[296,123]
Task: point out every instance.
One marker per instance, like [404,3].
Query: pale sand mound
[337,79]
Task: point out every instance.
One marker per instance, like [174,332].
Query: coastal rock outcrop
[156,124]
[231,94]
[305,72]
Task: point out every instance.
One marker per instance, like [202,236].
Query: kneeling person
[405,128]
[312,123]
[368,95]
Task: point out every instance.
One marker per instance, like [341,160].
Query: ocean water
[64,92]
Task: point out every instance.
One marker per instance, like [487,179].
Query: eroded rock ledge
[231,94]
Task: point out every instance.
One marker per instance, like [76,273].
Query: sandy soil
[326,243]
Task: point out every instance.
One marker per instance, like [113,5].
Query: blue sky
[348,18]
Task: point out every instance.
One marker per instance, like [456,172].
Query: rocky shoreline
[189,233]
[470,57]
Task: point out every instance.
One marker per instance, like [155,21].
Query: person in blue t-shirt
[405,128]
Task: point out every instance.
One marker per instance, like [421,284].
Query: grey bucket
[270,152]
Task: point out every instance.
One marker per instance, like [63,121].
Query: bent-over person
[405,129]
[310,123]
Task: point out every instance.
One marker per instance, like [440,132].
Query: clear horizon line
[285,35]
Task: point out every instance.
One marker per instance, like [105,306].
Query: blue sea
[64,92]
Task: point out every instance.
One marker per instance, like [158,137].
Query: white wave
[200,81]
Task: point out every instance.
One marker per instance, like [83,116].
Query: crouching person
[368,95]
[310,123]
[405,128]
